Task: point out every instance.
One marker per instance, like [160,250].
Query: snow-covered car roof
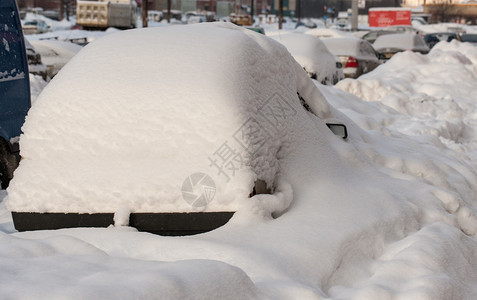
[327,33]
[311,53]
[138,117]
[401,41]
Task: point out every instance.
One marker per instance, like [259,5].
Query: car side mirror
[338,129]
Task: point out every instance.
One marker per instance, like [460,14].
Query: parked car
[432,39]
[306,23]
[404,29]
[169,135]
[357,55]
[469,38]
[374,34]
[198,18]
[35,27]
[55,54]
[35,64]
[388,45]
[327,33]
[311,53]
[14,89]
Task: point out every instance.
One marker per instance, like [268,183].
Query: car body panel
[14,78]
[432,39]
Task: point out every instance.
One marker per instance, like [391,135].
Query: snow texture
[389,213]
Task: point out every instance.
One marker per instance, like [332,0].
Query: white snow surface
[390,213]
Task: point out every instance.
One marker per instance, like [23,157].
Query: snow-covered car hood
[212,103]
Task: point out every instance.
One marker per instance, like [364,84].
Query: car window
[418,41]
[469,38]
[371,35]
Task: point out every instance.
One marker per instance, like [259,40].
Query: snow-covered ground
[389,214]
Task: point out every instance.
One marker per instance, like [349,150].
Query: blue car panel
[14,78]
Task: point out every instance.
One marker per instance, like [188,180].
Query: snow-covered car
[404,29]
[55,54]
[327,33]
[374,34]
[311,53]
[35,64]
[175,143]
[388,45]
[357,55]
[35,27]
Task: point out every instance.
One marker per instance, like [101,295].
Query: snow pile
[390,213]
[420,86]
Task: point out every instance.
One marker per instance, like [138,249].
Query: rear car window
[366,50]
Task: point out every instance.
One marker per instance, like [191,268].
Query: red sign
[385,18]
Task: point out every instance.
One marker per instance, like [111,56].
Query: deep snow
[387,214]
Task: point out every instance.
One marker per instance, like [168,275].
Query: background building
[329,8]
[54,9]
[460,11]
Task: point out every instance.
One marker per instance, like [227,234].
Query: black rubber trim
[170,224]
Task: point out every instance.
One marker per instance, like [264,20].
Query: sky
[388,213]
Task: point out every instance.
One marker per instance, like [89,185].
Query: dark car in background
[469,38]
